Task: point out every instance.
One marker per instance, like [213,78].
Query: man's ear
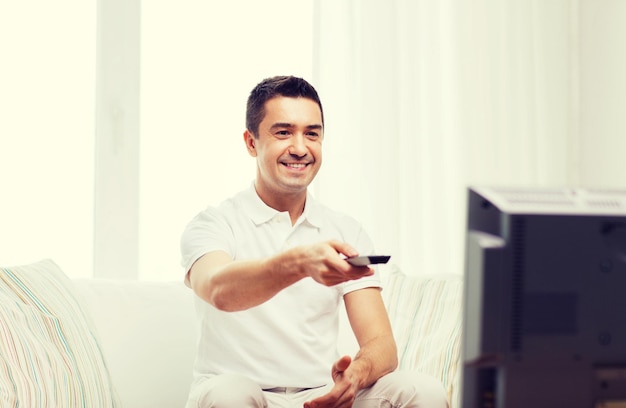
[250,141]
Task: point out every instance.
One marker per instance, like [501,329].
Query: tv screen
[545,298]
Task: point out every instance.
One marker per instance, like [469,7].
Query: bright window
[199,62]
[47,132]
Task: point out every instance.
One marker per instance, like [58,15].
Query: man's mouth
[295,166]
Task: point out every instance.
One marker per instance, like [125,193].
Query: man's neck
[292,203]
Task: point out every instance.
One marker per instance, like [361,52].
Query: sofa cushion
[426,317]
[148,334]
[49,351]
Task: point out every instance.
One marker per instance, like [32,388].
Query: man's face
[288,148]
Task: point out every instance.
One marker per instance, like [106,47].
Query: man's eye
[282,133]
[313,135]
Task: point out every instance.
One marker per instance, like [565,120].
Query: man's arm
[377,353]
[231,285]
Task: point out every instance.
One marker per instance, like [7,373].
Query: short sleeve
[206,232]
[364,245]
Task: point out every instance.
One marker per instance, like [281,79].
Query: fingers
[343,248]
[341,365]
[334,399]
[325,263]
[344,391]
[339,263]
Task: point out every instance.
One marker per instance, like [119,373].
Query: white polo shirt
[290,340]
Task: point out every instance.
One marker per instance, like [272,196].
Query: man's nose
[298,146]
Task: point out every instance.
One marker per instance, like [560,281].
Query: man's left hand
[343,393]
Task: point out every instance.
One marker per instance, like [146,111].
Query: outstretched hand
[343,393]
[325,263]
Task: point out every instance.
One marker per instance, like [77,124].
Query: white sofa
[146,333]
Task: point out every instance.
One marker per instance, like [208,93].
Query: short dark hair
[269,88]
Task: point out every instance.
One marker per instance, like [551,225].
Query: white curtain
[423,98]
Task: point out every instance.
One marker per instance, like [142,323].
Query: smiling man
[269,271]
[288,147]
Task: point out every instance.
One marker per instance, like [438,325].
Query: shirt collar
[260,213]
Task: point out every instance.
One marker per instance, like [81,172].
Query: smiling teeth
[296,165]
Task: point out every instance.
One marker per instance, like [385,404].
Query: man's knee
[430,390]
[412,389]
[226,391]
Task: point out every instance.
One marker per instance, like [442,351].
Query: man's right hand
[325,262]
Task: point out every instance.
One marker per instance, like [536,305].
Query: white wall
[603,93]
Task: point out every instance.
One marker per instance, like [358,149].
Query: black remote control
[368,260]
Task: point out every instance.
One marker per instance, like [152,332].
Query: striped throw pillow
[49,351]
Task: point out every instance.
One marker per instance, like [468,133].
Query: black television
[545,298]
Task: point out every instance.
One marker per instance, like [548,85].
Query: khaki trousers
[400,389]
